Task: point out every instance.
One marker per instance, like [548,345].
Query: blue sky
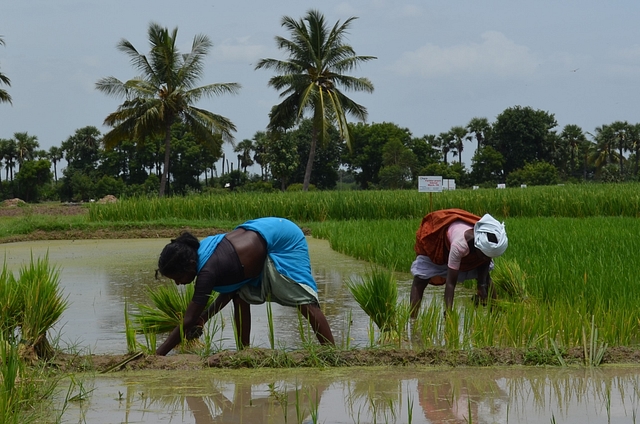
[439,63]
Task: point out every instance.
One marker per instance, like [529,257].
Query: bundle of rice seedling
[43,303]
[377,295]
[509,280]
[11,305]
[166,312]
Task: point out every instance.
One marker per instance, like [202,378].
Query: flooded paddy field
[100,277]
[363,395]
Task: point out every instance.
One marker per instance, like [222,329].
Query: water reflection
[396,395]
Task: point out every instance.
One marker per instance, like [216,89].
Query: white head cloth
[489,224]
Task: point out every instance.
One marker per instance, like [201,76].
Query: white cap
[489,224]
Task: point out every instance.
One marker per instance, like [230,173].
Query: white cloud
[346,9]
[238,50]
[495,55]
[411,11]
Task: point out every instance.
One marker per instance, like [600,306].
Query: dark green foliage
[521,135]
[31,179]
[533,174]
[366,155]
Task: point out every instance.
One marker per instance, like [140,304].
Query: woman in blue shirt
[261,259]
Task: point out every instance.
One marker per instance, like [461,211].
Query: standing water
[101,276]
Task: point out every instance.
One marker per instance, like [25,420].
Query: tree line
[161,143]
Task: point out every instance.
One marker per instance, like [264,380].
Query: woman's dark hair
[176,256]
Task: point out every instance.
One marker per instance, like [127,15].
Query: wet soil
[261,358]
[322,358]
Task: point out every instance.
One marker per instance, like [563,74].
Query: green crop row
[573,201]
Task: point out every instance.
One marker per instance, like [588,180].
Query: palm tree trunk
[312,155]
[167,151]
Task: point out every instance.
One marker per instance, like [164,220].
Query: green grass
[557,201]
[572,253]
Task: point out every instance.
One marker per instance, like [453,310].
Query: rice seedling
[214,326]
[314,405]
[428,323]
[346,341]
[272,338]
[169,305]
[10,392]
[568,201]
[10,305]
[43,303]
[593,349]
[129,331]
[25,392]
[509,280]
[377,295]
[452,329]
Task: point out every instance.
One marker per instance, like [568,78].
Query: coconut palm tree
[55,155]
[458,134]
[260,140]
[480,128]
[164,94]
[244,148]
[444,142]
[603,152]
[26,146]
[8,152]
[573,136]
[4,96]
[634,145]
[310,79]
[620,130]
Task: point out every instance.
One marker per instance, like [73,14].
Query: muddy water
[100,277]
[399,395]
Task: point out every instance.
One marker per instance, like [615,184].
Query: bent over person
[453,245]
[261,259]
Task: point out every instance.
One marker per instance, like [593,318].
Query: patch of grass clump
[30,305]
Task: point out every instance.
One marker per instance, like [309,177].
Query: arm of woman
[191,319]
[450,288]
[221,301]
[484,283]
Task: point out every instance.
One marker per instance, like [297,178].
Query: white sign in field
[429,184]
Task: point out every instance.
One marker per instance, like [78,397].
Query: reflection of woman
[447,399]
[260,410]
[262,259]
[453,245]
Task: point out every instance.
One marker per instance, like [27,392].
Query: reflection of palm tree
[310,79]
